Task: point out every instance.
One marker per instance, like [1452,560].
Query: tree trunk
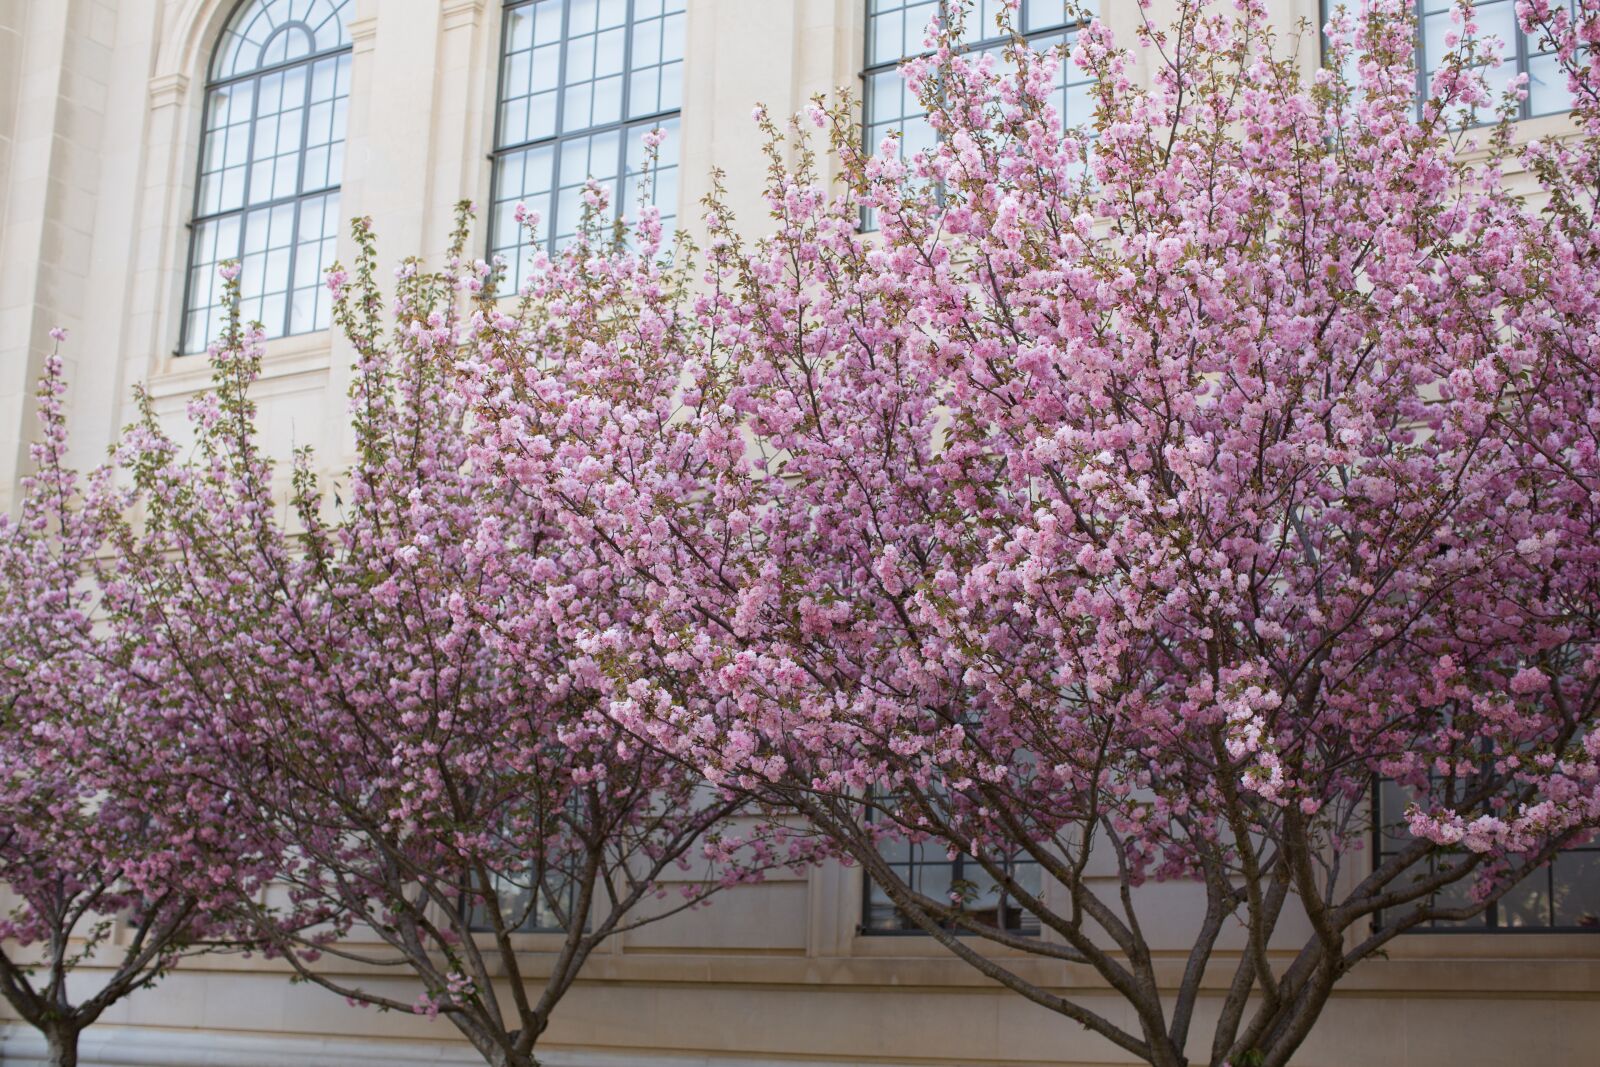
[501,1059]
[494,1052]
[63,1045]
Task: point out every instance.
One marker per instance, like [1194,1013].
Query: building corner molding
[363,32]
[454,14]
[167,90]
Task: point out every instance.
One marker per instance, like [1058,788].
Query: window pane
[927,868]
[313,254]
[982,24]
[527,907]
[1040,15]
[599,75]
[1498,20]
[1563,894]
[267,32]
[1527,904]
[663,190]
[895,31]
[881,912]
[886,33]
[1548,92]
[1576,878]
[1518,54]
[274,143]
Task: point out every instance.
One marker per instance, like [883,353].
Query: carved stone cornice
[363,32]
[455,14]
[167,90]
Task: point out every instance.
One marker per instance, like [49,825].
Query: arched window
[270,161]
[581,83]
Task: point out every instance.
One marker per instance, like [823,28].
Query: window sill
[283,357]
[1531,944]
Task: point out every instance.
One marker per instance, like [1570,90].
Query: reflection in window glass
[271,157]
[1564,894]
[1518,53]
[927,868]
[897,30]
[528,905]
[581,83]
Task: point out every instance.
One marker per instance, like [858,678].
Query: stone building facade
[142,140]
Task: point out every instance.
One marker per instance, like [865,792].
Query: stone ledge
[130,1046]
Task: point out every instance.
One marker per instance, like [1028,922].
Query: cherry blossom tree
[115,864]
[386,676]
[1127,505]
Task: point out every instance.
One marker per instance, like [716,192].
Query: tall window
[896,30]
[1519,53]
[270,162]
[581,83]
[1564,894]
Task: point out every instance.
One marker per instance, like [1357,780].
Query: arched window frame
[285,239]
[542,64]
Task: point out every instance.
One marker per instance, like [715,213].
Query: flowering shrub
[388,683]
[1127,505]
[1123,509]
[102,827]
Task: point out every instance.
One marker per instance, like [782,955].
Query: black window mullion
[556,150]
[233,79]
[250,144]
[300,192]
[243,215]
[566,134]
[627,99]
[1495,918]
[496,154]
[279,202]
[1519,45]
[288,277]
[1421,57]
[186,310]
[243,210]
[620,182]
[305,125]
[655,117]
[561,68]
[1550,893]
[564,42]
